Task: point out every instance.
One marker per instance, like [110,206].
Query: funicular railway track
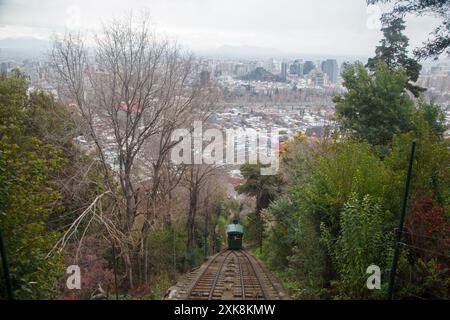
[232,274]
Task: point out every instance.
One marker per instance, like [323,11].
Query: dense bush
[29,196]
[362,242]
[340,209]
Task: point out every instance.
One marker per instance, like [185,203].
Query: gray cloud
[327,26]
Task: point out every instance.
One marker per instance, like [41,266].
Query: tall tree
[393,50]
[195,181]
[374,107]
[439,39]
[264,188]
[132,91]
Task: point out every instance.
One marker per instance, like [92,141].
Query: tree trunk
[145,231]
[191,218]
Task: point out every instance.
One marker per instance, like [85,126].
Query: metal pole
[400,226]
[261,231]
[115,270]
[7,276]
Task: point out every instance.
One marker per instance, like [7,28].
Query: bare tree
[132,89]
[195,180]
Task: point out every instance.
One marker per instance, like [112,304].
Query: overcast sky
[339,27]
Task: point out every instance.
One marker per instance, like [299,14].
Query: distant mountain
[19,49]
[260,53]
[24,43]
[241,52]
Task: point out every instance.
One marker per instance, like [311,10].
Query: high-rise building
[320,79]
[270,65]
[308,67]
[296,68]
[241,69]
[331,69]
[284,70]
[4,68]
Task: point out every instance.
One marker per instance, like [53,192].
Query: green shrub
[362,242]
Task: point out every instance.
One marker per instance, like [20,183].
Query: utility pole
[399,230]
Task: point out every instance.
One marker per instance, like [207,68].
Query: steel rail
[263,269]
[261,285]
[241,274]
[216,279]
[201,274]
